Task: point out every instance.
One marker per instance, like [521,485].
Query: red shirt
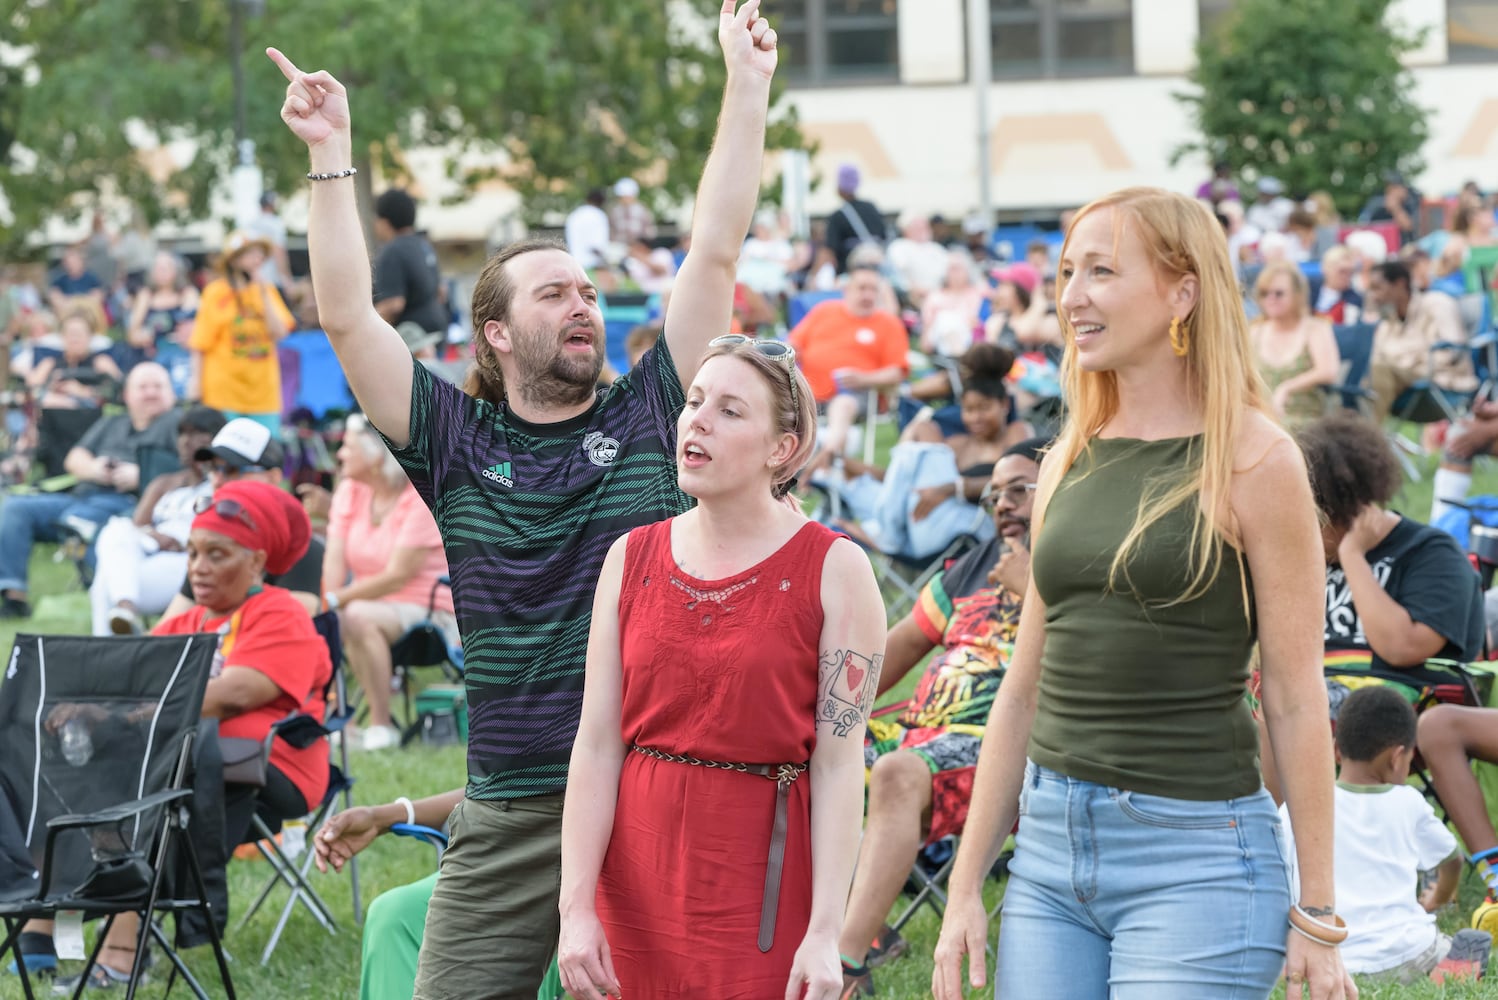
[831,337]
[272,633]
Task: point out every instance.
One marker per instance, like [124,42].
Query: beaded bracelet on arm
[332,176]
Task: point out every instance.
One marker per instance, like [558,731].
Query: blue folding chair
[805,302]
[1355,348]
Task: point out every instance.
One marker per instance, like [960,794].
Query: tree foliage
[1311,92]
[557,95]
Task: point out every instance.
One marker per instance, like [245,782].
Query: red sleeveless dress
[721,670]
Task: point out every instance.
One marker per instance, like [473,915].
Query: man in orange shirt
[847,347]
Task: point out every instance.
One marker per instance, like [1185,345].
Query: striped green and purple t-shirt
[527,513]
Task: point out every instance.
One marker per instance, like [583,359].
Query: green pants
[392,939]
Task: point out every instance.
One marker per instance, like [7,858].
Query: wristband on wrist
[1316,929]
[330,598]
[401,800]
[332,175]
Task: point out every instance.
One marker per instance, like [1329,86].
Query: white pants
[127,572]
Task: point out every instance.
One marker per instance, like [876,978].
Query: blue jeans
[1118,894]
[26,519]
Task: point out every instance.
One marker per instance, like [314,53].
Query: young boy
[1386,834]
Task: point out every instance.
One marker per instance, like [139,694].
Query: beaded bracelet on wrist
[333,176]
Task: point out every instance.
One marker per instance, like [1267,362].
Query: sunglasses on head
[227,508]
[777,351]
[1015,494]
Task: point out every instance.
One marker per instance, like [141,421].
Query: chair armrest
[416,831]
[119,813]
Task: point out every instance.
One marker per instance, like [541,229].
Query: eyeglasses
[231,509]
[778,351]
[1015,495]
[228,471]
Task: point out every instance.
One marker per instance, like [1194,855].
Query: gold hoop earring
[1179,334]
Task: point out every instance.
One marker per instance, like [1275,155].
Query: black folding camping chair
[96,738]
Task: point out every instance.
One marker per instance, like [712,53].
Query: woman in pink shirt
[380,570]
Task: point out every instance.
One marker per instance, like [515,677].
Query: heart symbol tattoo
[853,672]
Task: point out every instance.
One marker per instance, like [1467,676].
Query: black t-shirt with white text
[1425,570]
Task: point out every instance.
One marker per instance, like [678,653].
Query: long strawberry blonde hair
[1182,238]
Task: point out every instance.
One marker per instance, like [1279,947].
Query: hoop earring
[1179,334]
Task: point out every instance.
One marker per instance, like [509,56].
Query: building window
[1052,38]
[1211,14]
[836,41]
[1472,30]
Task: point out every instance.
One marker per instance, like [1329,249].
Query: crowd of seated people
[1399,593]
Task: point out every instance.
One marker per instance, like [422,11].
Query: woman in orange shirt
[240,321]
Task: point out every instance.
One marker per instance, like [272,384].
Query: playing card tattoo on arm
[847,682]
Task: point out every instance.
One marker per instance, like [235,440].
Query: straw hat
[238,242]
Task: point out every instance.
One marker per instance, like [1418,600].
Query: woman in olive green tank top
[1148,858]
[1295,351]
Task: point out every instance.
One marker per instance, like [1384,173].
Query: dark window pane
[862,52]
[1472,30]
[795,54]
[883,7]
[1095,45]
[1016,49]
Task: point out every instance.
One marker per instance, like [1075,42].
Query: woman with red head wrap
[272,662]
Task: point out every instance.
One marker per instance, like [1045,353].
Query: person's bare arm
[903,649]
[136,333]
[405,562]
[1280,539]
[236,691]
[374,358]
[1392,634]
[1448,878]
[349,832]
[87,466]
[391,308]
[701,305]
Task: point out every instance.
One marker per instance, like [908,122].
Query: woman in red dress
[715,793]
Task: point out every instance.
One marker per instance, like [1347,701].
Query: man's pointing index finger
[286,66]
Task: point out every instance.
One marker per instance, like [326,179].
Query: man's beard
[547,375]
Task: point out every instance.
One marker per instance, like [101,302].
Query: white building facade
[1081,100]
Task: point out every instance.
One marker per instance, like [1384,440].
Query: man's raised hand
[316,106]
[749,43]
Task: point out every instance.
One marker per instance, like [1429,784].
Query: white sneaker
[380,738]
[123,621]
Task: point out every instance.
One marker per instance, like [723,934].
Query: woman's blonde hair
[374,448]
[798,418]
[1181,238]
[1300,288]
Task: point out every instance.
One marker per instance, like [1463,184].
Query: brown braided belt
[783,775]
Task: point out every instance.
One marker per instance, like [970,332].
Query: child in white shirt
[1386,834]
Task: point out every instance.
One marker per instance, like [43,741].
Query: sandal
[37,951]
[104,977]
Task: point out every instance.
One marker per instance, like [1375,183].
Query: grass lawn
[311,963]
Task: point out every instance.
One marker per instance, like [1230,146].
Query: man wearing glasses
[244,449]
[921,766]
